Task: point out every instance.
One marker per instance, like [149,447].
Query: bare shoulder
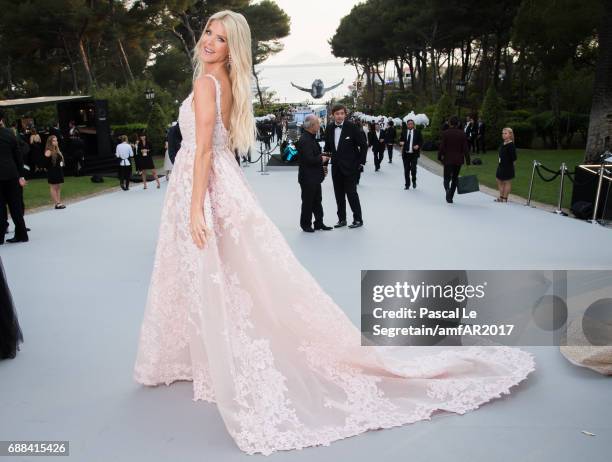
[204,87]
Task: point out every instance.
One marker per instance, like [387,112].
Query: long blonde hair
[242,123]
[55,150]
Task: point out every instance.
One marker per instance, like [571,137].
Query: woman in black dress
[144,159]
[36,152]
[505,169]
[55,170]
[10,332]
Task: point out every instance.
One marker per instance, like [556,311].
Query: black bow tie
[338,126]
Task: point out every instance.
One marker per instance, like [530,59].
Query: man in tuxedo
[470,133]
[411,141]
[312,171]
[453,153]
[12,179]
[480,137]
[348,151]
[376,140]
[390,139]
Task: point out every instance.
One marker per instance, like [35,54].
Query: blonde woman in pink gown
[281,360]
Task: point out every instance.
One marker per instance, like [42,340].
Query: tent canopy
[20,102]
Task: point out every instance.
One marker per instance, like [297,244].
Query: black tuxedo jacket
[11,161]
[417,138]
[352,148]
[390,135]
[375,141]
[311,164]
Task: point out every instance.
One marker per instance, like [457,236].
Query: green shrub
[156,128]
[444,110]
[562,129]
[518,114]
[127,104]
[523,133]
[128,129]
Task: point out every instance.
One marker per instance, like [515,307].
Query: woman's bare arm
[204,101]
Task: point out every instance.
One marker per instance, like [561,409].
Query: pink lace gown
[258,336]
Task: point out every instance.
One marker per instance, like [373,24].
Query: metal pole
[559,211]
[596,206]
[263,163]
[535,164]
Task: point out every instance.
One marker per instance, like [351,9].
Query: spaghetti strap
[217,93]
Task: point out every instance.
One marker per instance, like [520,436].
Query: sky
[313,23]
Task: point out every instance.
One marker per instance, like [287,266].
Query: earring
[229,60]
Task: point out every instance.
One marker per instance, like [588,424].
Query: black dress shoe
[340,224]
[16,239]
[323,228]
[414,184]
[406,187]
[308,230]
[356,224]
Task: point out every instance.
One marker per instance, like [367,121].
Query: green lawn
[546,192]
[36,193]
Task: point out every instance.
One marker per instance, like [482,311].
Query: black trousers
[125,173]
[379,154]
[480,145]
[10,196]
[410,167]
[390,151]
[471,144]
[311,204]
[451,174]
[345,187]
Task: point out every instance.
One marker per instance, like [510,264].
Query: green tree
[268,25]
[492,113]
[445,109]
[599,136]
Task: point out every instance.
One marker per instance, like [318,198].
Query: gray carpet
[80,286]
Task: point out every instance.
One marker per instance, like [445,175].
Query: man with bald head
[312,171]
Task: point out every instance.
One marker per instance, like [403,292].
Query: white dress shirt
[337,132]
[409,136]
[124,152]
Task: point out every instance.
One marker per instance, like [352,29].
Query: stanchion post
[535,164]
[599,183]
[263,171]
[559,211]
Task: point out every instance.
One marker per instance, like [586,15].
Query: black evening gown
[10,332]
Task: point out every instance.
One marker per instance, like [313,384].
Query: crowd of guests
[345,142]
[27,153]
[270,130]
[136,155]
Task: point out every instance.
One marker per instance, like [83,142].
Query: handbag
[467,184]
